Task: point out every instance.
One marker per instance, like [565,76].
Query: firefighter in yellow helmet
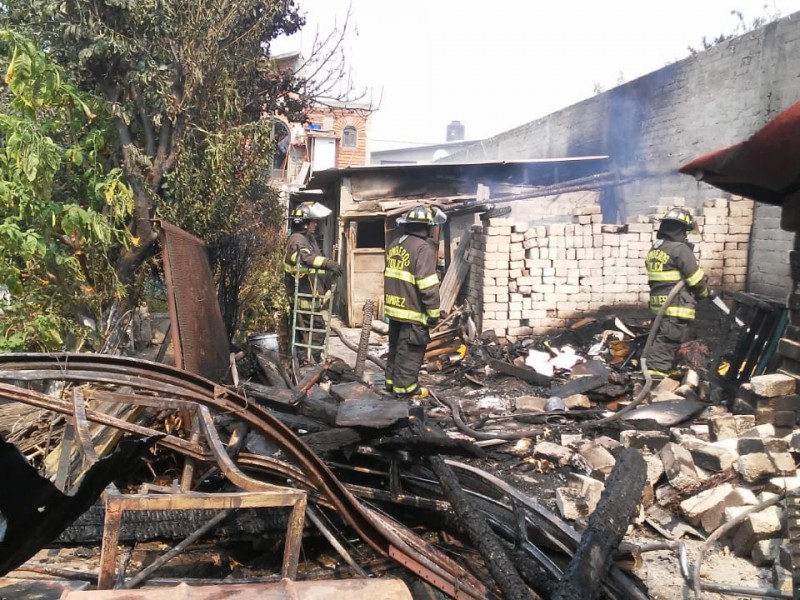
[411,299]
[670,260]
[305,263]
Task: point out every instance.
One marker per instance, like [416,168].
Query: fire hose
[648,380]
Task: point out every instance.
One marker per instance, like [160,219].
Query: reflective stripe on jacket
[669,262]
[410,282]
[304,260]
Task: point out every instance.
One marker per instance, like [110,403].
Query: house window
[349,137]
[370,234]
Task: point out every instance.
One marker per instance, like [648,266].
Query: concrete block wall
[652,125]
[528,279]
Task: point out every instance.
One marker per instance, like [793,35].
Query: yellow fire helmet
[424,215]
[682,216]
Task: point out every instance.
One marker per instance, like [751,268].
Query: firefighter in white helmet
[305,263]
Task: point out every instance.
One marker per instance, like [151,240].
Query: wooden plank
[524,373]
[456,275]
[333,439]
[353,390]
[276,397]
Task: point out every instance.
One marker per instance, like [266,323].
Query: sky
[497,64]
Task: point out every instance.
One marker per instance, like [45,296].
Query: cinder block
[760,465]
[709,457]
[758,526]
[722,427]
[553,452]
[678,466]
[652,440]
[773,384]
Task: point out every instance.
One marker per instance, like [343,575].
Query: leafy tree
[62,206]
[177,76]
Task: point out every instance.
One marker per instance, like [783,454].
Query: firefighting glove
[333,267]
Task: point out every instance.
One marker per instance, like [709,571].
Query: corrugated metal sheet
[352,589]
[198,332]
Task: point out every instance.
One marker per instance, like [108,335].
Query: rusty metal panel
[198,332]
[384,588]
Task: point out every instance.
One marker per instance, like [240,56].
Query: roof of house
[516,169]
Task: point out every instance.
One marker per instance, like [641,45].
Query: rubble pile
[717,472]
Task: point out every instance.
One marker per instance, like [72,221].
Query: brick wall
[347,117]
[526,279]
[652,125]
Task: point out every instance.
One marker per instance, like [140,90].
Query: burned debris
[543,464]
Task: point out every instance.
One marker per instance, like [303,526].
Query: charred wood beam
[332,439]
[281,398]
[424,445]
[472,522]
[319,407]
[142,575]
[607,525]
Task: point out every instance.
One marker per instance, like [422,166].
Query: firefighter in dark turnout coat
[670,260]
[305,264]
[411,299]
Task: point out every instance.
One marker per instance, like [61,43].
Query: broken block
[733,512]
[778,485]
[714,516]
[772,385]
[571,439]
[722,427]
[710,457]
[679,466]
[782,580]
[765,552]
[786,403]
[744,422]
[695,506]
[793,441]
[759,431]
[784,419]
[572,504]
[756,527]
[609,444]
[553,452]
[760,465]
[769,445]
[599,458]
[530,403]
[577,401]
[651,440]
[655,468]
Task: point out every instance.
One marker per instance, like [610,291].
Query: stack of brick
[526,279]
[773,400]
